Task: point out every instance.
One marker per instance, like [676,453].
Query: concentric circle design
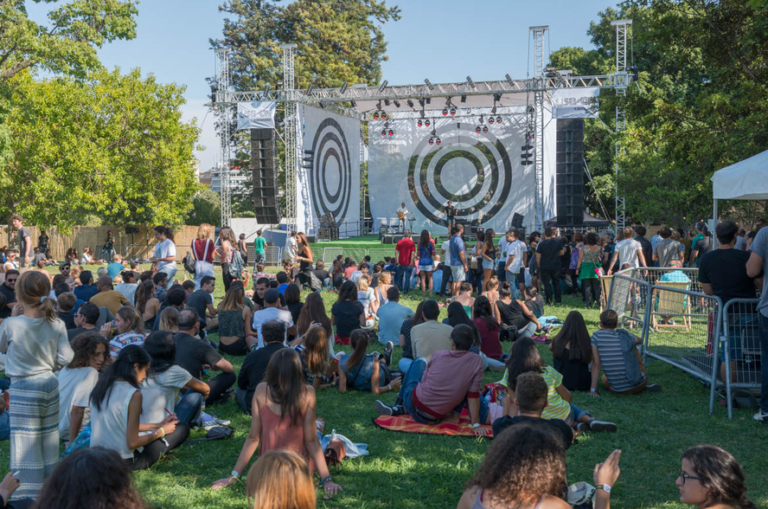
[481,201]
[330,143]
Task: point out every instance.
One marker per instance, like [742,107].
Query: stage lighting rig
[470,82]
[344,88]
[445,112]
[509,80]
[383,86]
[427,123]
[463,98]
[498,120]
[526,154]
[419,123]
[429,84]
[437,140]
[485,129]
[410,103]
[310,89]
[491,120]
[397,103]
[375,115]
[431,141]
[478,129]
[453,112]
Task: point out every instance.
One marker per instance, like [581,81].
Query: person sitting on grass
[313,311]
[465,298]
[76,382]
[430,336]
[259,272]
[255,364]
[65,305]
[439,389]
[116,407]
[169,320]
[524,468]
[711,478]
[347,313]
[235,334]
[534,301]
[405,337]
[320,369]
[489,329]
[529,402]
[128,327]
[367,297]
[366,372]
[524,359]
[280,480]
[514,313]
[615,352]
[271,312]
[572,353]
[391,315]
[283,417]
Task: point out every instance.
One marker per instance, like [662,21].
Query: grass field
[408,471]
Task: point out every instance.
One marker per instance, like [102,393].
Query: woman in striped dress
[36,342]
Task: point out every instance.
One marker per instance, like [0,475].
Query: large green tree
[110,144]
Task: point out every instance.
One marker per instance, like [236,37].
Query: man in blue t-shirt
[458,260]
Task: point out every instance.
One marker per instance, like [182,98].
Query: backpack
[236,265]
[189,263]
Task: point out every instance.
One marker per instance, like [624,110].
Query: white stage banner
[329,174]
[256,115]
[576,102]
[481,173]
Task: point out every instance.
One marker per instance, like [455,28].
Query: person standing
[757,265]
[548,255]
[640,232]
[406,251]
[588,269]
[401,213]
[261,247]
[36,344]
[108,250]
[202,251]
[702,246]
[515,261]
[42,243]
[667,249]
[226,253]
[450,214]
[241,246]
[165,252]
[628,252]
[25,241]
[458,261]
[426,263]
[291,247]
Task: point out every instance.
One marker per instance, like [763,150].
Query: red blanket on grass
[406,424]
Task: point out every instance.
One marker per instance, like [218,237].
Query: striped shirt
[608,345]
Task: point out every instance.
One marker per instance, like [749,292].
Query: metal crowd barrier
[738,343]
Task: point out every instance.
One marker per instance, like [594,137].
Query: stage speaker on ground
[517,220]
[266,204]
[569,179]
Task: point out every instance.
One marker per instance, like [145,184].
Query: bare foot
[452,418]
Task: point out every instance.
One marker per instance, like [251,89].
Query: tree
[110,144]
[206,208]
[68,44]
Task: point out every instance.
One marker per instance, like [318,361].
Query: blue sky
[443,40]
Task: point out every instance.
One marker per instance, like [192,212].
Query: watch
[605,487]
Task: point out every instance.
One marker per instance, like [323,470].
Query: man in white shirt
[291,246]
[401,213]
[271,312]
[515,260]
[502,254]
[628,252]
[445,256]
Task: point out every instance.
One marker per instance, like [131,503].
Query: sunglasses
[685,477]
[11,280]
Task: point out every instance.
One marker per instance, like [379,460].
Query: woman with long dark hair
[283,417]
[313,312]
[515,313]
[711,478]
[572,353]
[165,253]
[366,372]
[488,328]
[475,276]
[235,334]
[108,249]
[226,253]
[147,304]
[488,255]
[320,368]
[426,263]
[304,256]
[116,405]
[129,329]
[203,250]
[337,275]
[347,314]
[405,337]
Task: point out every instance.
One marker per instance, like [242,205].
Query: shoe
[388,348]
[761,417]
[595,425]
[383,409]
[582,427]
[653,388]
[211,421]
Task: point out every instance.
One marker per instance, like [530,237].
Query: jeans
[189,407]
[576,414]
[401,225]
[446,278]
[489,363]
[590,286]
[407,271]
[219,386]
[171,271]
[240,397]
[404,364]
[259,259]
[551,278]
[109,255]
[501,271]
[512,278]
[527,331]
[5,425]
[764,364]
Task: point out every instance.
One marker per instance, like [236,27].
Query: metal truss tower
[621,82]
[292,135]
[539,87]
[225,110]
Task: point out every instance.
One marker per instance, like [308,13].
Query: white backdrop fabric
[256,115]
[480,173]
[328,178]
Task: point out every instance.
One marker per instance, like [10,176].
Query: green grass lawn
[423,471]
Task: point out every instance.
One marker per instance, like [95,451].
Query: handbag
[189,263]
[335,452]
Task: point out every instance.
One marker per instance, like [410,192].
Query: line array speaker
[265,189]
[569,178]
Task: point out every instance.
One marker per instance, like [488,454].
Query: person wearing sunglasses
[8,289]
[711,478]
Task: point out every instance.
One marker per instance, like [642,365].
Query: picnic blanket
[406,424]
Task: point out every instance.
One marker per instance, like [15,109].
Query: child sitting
[615,352]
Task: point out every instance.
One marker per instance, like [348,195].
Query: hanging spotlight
[383,114]
[383,86]
[383,132]
[386,102]
[310,89]
[498,120]
[445,112]
[390,133]
[419,124]
[429,84]
[375,115]
[481,119]
[453,112]
[490,120]
[478,129]
[410,103]
[470,82]
[437,140]
[463,98]
[485,129]
[397,103]
[509,80]
[526,154]
[427,123]
[431,141]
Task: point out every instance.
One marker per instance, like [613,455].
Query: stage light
[445,112]
[437,140]
[353,104]
[496,98]
[493,110]
[429,100]
[397,103]
[509,80]
[463,98]
[527,147]
[431,141]
[267,88]
[310,89]
[386,103]
[470,82]
[383,114]
[427,123]
[344,88]
[421,102]
[375,115]
[429,84]
[498,120]
[383,132]
[490,120]
[383,86]
[485,129]
[410,103]
[419,124]
[390,133]
[478,129]
[324,103]
[453,112]
[481,119]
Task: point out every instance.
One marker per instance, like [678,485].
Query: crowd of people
[120,367]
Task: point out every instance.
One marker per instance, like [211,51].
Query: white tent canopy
[745,180]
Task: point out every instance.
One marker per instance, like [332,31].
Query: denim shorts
[458,274]
[488,264]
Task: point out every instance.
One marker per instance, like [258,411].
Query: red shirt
[489,338]
[449,378]
[405,249]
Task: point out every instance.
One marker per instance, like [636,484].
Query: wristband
[592,389]
[326,480]
[161,436]
[475,425]
[605,487]
[389,387]
[234,474]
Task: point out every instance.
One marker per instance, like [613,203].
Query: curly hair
[522,465]
[85,346]
[720,474]
[92,477]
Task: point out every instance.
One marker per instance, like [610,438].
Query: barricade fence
[692,331]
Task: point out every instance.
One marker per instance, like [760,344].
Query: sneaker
[595,425]
[653,388]
[388,348]
[383,409]
[582,427]
[761,417]
[211,421]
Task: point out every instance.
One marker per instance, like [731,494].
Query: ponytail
[33,290]
[165,231]
[123,367]
[359,342]
[505,290]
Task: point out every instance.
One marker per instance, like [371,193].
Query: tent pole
[714,216]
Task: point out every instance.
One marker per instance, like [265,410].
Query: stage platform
[359,247]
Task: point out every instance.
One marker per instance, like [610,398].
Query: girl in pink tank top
[284,410]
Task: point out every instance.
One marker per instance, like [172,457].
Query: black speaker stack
[328,228]
[569,178]
[265,189]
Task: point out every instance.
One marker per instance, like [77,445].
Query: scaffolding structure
[621,84]
[225,110]
[538,33]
